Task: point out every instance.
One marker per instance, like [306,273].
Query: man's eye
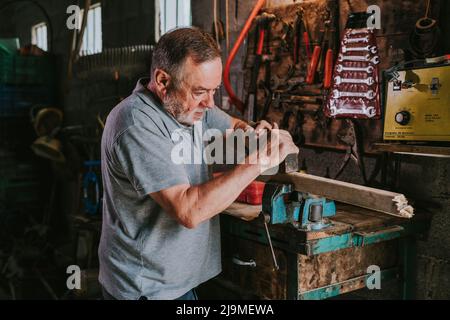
[199,93]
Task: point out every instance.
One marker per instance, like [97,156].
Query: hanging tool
[332,44]
[306,38]
[354,146]
[298,36]
[267,58]
[218,26]
[226,78]
[301,34]
[317,53]
[263,22]
[325,46]
[227,25]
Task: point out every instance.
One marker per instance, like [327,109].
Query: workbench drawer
[249,265]
[300,276]
[345,270]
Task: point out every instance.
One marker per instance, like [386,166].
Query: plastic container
[9,45]
[253,194]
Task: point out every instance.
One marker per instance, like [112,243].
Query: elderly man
[160,235]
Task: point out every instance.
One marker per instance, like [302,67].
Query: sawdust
[404,209]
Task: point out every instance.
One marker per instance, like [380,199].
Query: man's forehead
[207,75]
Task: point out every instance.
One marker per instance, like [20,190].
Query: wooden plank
[357,221]
[412,149]
[338,228]
[365,197]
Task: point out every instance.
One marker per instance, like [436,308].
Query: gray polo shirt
[143,250]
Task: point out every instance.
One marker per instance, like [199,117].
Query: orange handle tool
[328,69]
[307,47]
[313,65]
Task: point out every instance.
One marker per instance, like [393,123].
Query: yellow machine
[418,105]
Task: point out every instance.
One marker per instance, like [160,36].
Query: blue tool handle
[91,205]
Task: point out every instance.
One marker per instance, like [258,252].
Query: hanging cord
[428,9]
[425,38]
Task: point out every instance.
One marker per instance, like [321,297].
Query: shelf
[419,150]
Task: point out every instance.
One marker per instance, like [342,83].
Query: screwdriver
[315,59]
[332,33]
[328,69]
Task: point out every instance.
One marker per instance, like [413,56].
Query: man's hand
[264,125]
[258,127]
[280,144]
[248,215]
[261,126]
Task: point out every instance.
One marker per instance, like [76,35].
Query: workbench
[323,264]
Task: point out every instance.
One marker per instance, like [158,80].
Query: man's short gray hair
[176,46]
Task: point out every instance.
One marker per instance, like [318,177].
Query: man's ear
[162,80]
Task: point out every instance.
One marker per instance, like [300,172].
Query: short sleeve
[145,157]
[218,119]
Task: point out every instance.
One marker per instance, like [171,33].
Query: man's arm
[192,205]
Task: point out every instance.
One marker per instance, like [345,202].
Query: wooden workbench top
[348,219]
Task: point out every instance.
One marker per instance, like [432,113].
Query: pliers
[351,140]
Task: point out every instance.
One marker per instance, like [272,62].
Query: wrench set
[355,89]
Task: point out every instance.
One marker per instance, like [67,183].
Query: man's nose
[208,102]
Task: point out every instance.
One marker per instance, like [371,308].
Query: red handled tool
[226,75]
[315,61]
[318,55]
[328,69]
[263,22]
[330,55]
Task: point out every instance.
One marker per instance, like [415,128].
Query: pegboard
[315,130]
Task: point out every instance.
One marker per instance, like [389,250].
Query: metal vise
[283,205]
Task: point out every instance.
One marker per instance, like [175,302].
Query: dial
[403,118]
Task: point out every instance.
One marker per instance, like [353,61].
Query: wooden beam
[413,149]
[374,199]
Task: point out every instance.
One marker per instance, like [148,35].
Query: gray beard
[174,107]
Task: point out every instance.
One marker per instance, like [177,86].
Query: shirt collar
[146,95]
[150,99]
